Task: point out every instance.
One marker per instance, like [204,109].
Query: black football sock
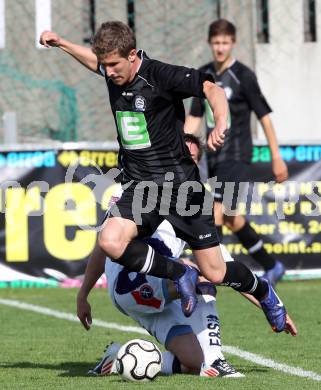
[241,279]
[254,244]
[140,257]
[219,232]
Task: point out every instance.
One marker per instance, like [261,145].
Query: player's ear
[132,55]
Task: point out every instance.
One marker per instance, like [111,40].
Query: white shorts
[171,322]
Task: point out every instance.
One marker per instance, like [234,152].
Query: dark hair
[221,27]
[193,139]
[112,36]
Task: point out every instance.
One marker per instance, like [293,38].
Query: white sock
[208,330]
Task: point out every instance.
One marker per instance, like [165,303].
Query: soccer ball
[139,361]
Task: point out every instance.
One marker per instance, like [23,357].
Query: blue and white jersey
[133,292]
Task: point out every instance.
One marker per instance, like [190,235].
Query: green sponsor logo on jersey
[132,128]
[210,121]
[209,115]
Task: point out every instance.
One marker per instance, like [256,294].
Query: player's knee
[112,245]
[214,275]
[218,276]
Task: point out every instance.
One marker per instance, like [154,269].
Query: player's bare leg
[115,235]
[218,213]
[211,263]
[187,350]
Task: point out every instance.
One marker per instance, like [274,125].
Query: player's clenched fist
[280,170]
[49,38]
[216,137]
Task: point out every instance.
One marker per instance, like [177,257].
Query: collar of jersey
[226,69]
[143,56]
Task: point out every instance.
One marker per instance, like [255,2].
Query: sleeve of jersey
[197,107]
[254,96]
[185,82]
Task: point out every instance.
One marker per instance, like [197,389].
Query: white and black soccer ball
[139,361]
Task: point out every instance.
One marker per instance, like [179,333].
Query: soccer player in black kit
[146,99]
[231,163]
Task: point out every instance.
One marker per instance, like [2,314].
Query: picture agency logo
[85,187]
[186,200]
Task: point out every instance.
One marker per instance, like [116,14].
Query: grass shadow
[70,369]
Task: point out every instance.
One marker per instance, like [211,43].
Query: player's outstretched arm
[279,168]
[82,54]
[215,95]
[192,124]
[94,270]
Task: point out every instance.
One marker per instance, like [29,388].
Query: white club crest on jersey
[139,103]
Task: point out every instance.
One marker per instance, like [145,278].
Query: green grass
[41,352]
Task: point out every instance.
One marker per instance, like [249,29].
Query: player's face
[118,68]
[194,151]
[222,46]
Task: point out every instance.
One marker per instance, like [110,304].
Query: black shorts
[227,177]
[198,230]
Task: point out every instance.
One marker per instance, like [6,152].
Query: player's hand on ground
[215,139]
[84,312]
[280,170]
[290,326]
[49,38]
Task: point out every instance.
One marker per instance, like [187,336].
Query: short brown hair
[112,36]
[193,139]
[221,27]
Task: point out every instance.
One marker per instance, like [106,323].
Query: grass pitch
[41,352]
